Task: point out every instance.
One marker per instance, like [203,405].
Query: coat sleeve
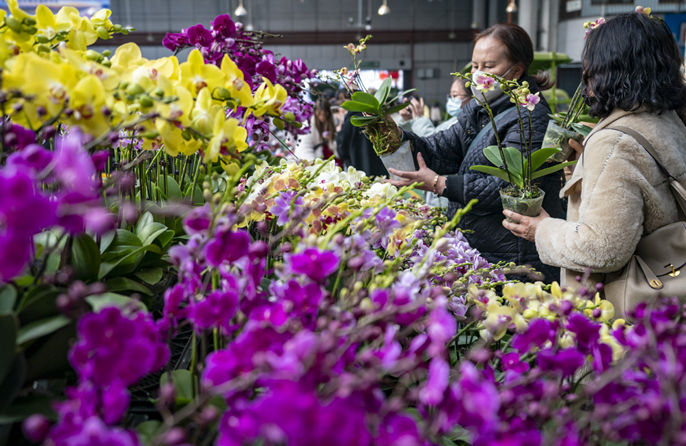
[442,151]
[423,126]
[610,222]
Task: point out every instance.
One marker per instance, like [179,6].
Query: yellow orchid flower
[49,82]
[236,84]
[173,140]
[196,74]
[127,58]
[166,67]
[204,112]
[498,319]
[269,98]
[227,136]
[16,11]
[618,350]
[102,18]
[87,100]
[85,66]
[178,110]
[82,33]
[47,24]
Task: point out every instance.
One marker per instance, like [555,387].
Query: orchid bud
[36,428]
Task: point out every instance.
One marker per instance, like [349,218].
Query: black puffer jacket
[444,153]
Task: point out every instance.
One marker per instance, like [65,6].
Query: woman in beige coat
[617,192]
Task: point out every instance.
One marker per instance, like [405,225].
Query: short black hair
[631,61]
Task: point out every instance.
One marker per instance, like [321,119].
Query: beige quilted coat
[616,195]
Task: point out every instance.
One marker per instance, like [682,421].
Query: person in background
[413,120]
[617,192]
[321,141]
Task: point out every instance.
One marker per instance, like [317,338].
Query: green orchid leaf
[492,154]
[8,297]
[144,221]
[8,337]
[106,240]
[366,98]
[581,128]
[124,263]
[148,430]
[166,237]
[549,170]
[85,257]
[514,161]
[354,106]
[38,303]
[183,385]
[126,284]
[540,156]
[13,381]
[500,173]
[173,189]
[40,328]
[47,356]
[150,233]
[383,91]
[23,407]
[151,276]
[124,241]
[361,121]
[100,301]
[396,108]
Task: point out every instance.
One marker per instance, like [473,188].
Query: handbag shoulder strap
[676,188]
[498,119]
[647,146]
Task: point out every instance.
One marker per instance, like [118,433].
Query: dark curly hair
[632,61]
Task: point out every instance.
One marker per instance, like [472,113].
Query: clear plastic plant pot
[557,136]
[401,159]
[513,201]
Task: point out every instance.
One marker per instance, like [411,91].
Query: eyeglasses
[461,97]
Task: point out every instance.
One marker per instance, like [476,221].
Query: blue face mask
[453,106]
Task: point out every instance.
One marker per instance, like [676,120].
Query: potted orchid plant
[509,163]
[377,109]
[564,126]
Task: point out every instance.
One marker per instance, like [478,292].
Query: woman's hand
[405,113]
[417,107]
[523,226]
[429,179]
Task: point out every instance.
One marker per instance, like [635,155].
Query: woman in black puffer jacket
[445,158]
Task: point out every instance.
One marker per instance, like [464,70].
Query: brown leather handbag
[658,267]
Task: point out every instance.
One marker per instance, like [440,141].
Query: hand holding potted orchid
[377,109]
[509,163]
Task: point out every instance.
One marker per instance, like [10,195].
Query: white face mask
[491,94]
[453,106]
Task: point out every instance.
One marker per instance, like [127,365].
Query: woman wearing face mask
[417,123]
[444,158]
